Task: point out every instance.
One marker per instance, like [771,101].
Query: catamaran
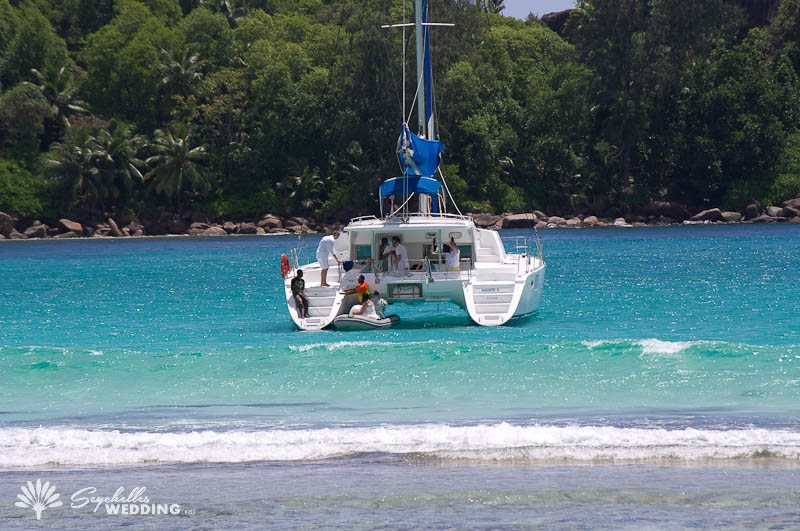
[491,284]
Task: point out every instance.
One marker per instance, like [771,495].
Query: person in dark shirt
[299,293]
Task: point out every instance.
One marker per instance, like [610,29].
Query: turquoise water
[672,345]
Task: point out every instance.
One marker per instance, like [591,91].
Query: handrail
[414,215]
[426,266]
[527,247]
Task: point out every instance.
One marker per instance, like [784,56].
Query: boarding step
[491,308]
[504,274]
[319,302]
[488,257]
[501,298]
[321,291]
[480,289]
[317,311]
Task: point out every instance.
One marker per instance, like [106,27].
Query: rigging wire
[414,101]
[448,191]
[401,206]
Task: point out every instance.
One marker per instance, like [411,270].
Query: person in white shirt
[399,261]
[324,251]
[451,256]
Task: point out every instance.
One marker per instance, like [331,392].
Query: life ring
[285,266]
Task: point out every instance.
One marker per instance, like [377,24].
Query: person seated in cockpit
[369,267]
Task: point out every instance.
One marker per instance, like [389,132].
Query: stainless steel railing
[413,215]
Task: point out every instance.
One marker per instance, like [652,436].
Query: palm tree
[493,6]
[75,169]
[58,87]
[304,187]
[227,8]
[177,167]
[117,148]
[180,70]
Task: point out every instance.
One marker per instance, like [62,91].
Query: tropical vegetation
[239,107]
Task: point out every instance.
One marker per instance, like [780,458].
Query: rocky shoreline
[662,213]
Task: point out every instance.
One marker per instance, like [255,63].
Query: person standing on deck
[324,251]
[399,260]
[451,256]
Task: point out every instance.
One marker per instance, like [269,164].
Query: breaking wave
[27,447]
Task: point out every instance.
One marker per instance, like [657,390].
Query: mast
[418,154]
[428,76]
[419,10]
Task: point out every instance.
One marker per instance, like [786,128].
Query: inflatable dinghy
[359,322]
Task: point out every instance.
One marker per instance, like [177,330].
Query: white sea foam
[656,346]
[593,344]
[23,447]
[648,346]
[336,345]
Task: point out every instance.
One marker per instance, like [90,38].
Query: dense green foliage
[239,107]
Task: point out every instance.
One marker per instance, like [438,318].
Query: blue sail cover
[403,186]
[416,155]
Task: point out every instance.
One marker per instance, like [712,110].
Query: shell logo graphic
[38,497]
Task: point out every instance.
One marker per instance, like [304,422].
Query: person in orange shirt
[362,289]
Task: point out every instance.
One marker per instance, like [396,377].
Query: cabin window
[363,252]
[405,291]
